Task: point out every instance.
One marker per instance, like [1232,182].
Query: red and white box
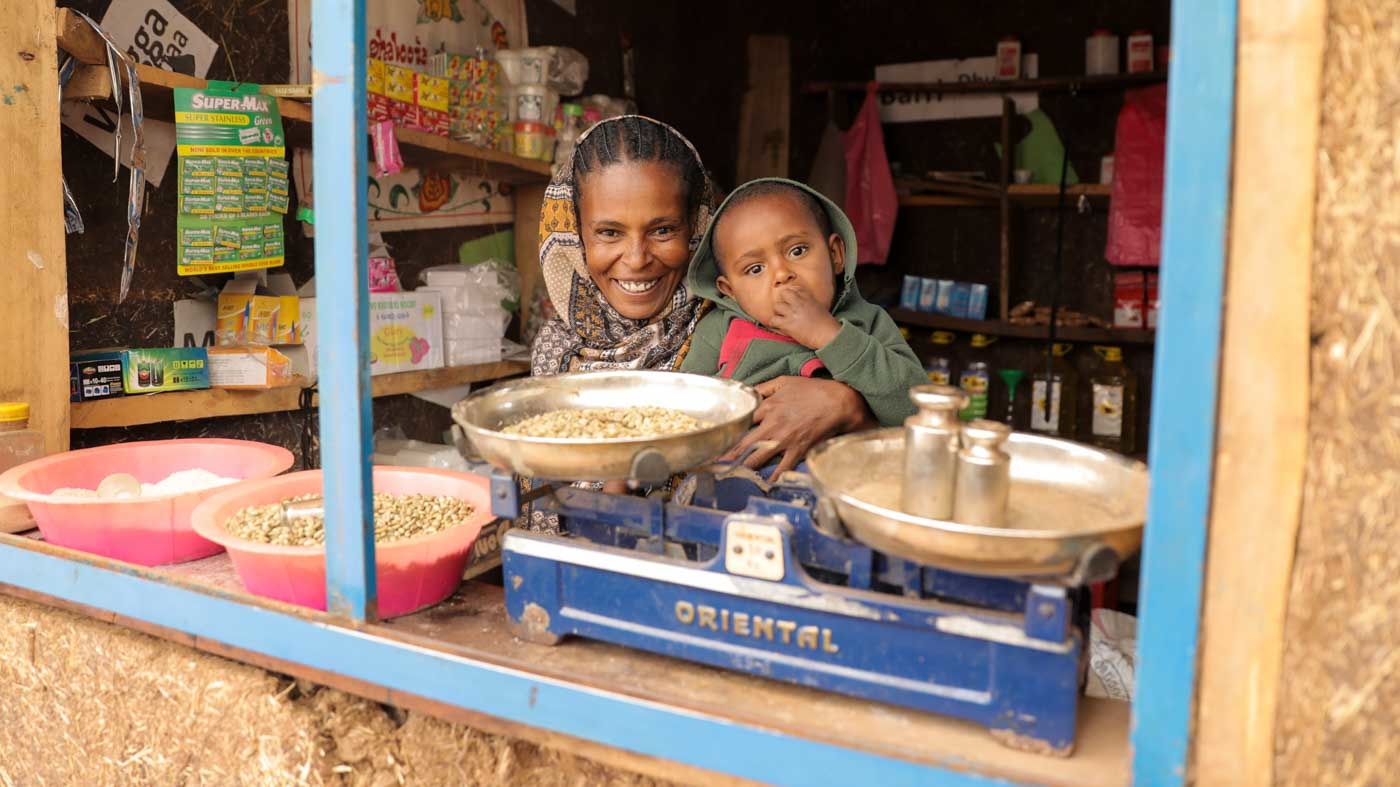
[1140,52]
[1135,300]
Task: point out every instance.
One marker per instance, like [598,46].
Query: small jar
[18,444]
[530,140]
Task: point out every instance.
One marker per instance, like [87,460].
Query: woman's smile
[637,286]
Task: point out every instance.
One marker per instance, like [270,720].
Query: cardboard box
[248,367]
[405,331]
[95,374]
[245,317]
[165,369]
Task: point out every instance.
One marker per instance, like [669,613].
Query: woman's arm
[796,414]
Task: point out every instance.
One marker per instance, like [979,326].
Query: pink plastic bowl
[150,531]
[411,574]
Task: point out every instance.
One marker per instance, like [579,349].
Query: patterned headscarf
[589,334]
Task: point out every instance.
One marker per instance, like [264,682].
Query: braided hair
[639,139]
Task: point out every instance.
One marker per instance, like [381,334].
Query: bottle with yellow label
[1059,385]
[976,377]
[1114,390]
[939,363]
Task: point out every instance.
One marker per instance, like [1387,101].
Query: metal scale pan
[1069,502]
[725,406]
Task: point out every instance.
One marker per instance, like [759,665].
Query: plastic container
[531,104]
[1140,52]
[1114,390]
[410,574]
[150,531]
[1101,53]
[976,377]
[510,60]
[18,444]
[530,139]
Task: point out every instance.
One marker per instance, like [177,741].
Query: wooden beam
[765,118]
[88,83]
[34,322]
[77,38]
[1262,433]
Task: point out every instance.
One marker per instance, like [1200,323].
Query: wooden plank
[88,83]
[766,117]
[529,200]
[34,324]
[1074,84]
[1261,437]
[221,402]
[1002,328]
[942,201]
[472,623]
[1008,113]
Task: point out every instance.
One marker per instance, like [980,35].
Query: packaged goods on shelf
[95,375]
[249,367]
[158,369]
[249,317]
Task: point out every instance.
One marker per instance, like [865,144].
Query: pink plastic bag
[871,201]
[1135,215]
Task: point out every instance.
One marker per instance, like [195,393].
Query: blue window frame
[1201,90]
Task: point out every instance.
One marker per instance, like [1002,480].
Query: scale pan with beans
[1074,512]
[724,408]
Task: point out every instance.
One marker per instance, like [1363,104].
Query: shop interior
[1005,273]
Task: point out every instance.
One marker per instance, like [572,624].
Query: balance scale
[809,580]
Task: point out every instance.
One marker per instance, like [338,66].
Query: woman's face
[636,234]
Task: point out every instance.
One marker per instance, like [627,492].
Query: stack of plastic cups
[473,319]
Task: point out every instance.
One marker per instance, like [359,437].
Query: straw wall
[1340,690]
[85,702]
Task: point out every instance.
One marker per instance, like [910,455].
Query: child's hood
[704,267]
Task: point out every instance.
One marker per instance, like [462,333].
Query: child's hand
[801,317]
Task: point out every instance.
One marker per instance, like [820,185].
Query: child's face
[772,242]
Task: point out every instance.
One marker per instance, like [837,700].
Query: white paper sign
[406,32]
[912,107]
[152,31]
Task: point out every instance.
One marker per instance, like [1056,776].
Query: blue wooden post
[1201,92]
[340,157]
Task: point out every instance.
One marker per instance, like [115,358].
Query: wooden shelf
[1069,84]
[1030,193]
[220,402]
[419,149]
[1085,334]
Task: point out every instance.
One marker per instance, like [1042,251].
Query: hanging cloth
[1135,214]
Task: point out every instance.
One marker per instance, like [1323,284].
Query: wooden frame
[1261,439]
[34,337]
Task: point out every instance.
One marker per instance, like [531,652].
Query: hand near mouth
[798,315]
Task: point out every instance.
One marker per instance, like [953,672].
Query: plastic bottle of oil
[939,363]
[976,377]
[1114,390]
[18,444]
[1061,384]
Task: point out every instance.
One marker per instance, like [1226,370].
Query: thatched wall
[1339,697]
[86,702]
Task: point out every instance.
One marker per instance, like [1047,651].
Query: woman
[616,233]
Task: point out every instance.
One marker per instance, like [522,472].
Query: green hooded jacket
[868,354]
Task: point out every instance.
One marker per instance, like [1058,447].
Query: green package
[230,167]
[230,140]
[277,202]
[197,236]
[229,203]
[197,185]
[277,184]
[200,167]
[197,204]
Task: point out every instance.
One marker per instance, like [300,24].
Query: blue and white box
[909,296]
[962,294]
[977,302]
[927,292]
[943,302]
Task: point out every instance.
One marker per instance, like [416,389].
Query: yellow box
[433,92]
[375,75]
[399,83]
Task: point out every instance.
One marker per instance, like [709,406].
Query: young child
[779,263]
